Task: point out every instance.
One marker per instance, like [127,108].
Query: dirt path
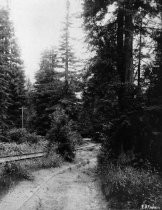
[69,188]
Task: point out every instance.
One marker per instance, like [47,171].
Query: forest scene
[113,99]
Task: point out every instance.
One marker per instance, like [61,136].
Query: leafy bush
[16,170]
[51,160]
[3,138]
[156,144]
[22,135]
[33,138]
[136,131]
[17,135]
[11,173]
[75,137]
[7,149]
[126,187]
[62,133]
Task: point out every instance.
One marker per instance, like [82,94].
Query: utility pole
[22,116]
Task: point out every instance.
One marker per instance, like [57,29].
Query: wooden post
[22,116]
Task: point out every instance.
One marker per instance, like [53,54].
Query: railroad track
[6,159]
[21,157]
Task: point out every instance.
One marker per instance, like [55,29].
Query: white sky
[38,25]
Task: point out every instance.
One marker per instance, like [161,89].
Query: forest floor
[73,186]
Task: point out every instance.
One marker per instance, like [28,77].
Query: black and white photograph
[80,104]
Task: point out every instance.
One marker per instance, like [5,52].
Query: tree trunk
[125,51]
[120,45]
[120,58]
[139,57]
[128,44]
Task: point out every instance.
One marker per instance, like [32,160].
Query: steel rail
[21,157]
[12,158]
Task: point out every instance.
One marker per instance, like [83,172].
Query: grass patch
[11,173]
[126,187]
[51,161]
[20,135]
[9,149]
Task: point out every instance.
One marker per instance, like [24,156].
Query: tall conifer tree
[47,90]
[66,54]
[11,75]
[5,35]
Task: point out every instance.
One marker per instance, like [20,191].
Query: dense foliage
[115,102]
[48,90]
[20,136]
[122,96]
[119,103]
[62,132]
[12,80]
[128,187]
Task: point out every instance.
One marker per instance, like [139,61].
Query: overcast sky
[38,25]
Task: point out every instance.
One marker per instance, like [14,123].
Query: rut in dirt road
[73,186]
[74,189]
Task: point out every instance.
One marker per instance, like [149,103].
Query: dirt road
[71,187]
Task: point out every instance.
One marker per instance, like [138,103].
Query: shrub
[3,138]
[52,160]
[61,132]
[22,135]
[16,170]
[75,137]
[7,149]
[126,187]
[11,173]
[17,135]
[156,145]
[136,131]
[33,138]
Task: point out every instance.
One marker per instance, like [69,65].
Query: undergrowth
[127,187]
[63,134]
[9,149]
[11,173]
[51,161]
[20,135]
